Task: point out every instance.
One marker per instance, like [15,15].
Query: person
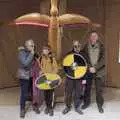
[25,57]
[73,87]
[48,64]
[95,55]
[37,97]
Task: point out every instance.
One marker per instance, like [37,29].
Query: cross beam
[53,22]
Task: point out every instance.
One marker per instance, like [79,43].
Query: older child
[48,64]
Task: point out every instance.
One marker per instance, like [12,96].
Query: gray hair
[29,42]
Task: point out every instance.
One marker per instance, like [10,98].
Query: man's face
[29,45]
[76,46]
[93,38]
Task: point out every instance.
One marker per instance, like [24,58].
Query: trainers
[22,113]
[101,110]
[51,113]
[78,110]
[66,110]
[36,109]
[85,106]
[46,110]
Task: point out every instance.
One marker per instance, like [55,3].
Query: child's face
[46,51]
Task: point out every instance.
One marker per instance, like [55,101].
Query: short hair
[47,46]
[93,31]
[76,41]
[29,41]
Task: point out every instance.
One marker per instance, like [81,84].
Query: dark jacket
[100,66]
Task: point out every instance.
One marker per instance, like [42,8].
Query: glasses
[77,46]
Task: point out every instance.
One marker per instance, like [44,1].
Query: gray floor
[9,108]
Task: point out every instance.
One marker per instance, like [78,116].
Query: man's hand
[32,51]
[92,70]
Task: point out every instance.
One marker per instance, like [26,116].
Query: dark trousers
[26,91]
[99,89]
[49,98]
[73,88]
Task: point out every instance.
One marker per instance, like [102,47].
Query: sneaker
[36,109]
[101,110]
[78,110]
[66,110]
[22,113]
[51,113]
[46,110]
[85,106]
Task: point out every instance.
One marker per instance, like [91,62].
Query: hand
[83,82]
[48,82]
[32,51]
[92,70]
[41,73]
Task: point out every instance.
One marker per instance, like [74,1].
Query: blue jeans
[26,88]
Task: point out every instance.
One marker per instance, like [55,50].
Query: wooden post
[62,10]
[55,36]
[54,26]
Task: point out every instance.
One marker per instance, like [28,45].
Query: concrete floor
[9,108]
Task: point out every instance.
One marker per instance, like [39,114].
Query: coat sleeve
[85,55]
[25,59]
[101,61]
[55,66]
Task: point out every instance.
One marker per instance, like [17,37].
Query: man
[26,57]
[73,87]
[94,51]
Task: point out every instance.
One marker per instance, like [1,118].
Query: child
[48,64]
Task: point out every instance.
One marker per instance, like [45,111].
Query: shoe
[46,110]
[101,110]
[78,110]
[36,109]
[51,113]
[22,113]
[85,106]
[66,110]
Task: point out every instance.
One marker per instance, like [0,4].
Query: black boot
[101,110]
[46,110]
[51,112]
[36,109]
[22,113]
[78,110]
[66,110]
[85,106]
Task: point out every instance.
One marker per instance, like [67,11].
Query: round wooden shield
[75,66]
[48,81]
